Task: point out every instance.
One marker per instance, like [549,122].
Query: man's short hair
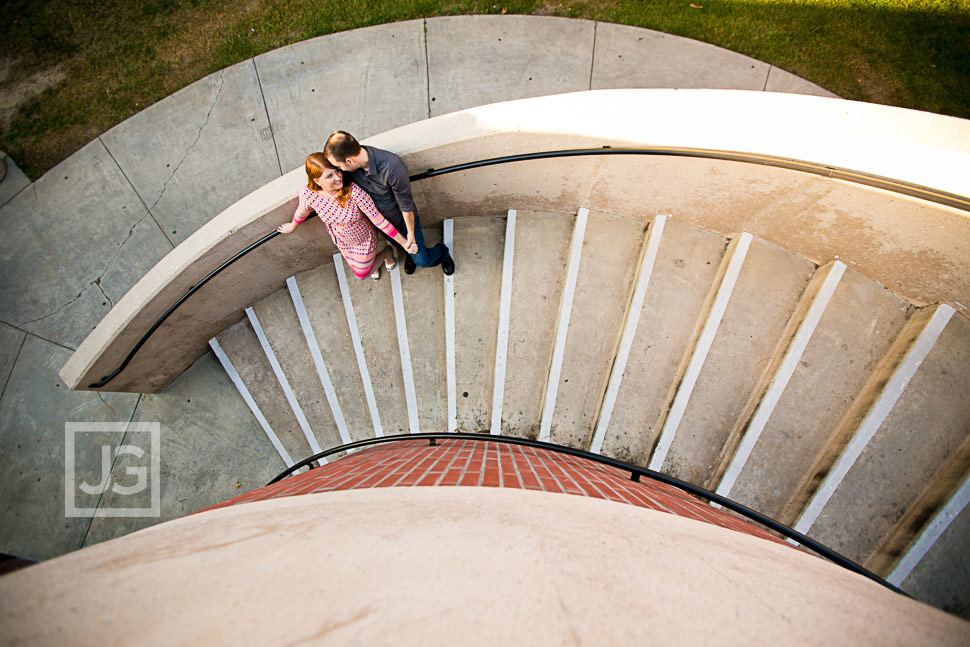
[341,145]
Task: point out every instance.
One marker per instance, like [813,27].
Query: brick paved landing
[481,464]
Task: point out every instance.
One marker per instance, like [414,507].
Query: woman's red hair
[316,164]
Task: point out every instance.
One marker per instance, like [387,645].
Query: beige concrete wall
[918,249]
[447,566]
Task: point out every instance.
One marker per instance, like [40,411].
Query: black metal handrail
[635,473]
[897,186]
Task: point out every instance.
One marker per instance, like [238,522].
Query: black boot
[448,265]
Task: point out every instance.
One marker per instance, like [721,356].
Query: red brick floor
[469,463]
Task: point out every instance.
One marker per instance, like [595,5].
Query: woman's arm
[369,209]
[302,211]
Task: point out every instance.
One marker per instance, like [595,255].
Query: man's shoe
[409,265]
[448,265]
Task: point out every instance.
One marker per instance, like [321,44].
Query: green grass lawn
[119,56]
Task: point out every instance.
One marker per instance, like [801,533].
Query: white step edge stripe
[318,363]
[404,349]
[449,239]
[957,503]
[629,333]
[338,264]
[699,355]
[782,376]
[877,415]
[284,383]
[504,312]
[250,402]
[569,290]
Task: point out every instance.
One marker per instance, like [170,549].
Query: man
[385,178]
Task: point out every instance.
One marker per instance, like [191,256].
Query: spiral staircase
[811,392]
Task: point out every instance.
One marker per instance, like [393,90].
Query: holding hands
[410,245]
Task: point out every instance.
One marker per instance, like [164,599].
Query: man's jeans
[425,257]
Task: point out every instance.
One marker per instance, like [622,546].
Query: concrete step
[677,277]
[277,317]
[319,291]
[424,311]
[539,263]
[604,255]
[375,317]
[241,354]
[842,329]
[894,447]
[755,298]
[478,249]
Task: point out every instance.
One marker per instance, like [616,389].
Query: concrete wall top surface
[918,147]
[441,566]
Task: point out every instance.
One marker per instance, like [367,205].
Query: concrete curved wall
[919,249]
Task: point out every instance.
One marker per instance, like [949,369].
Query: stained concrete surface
[374,312]
[33,412]
[11,341]
[947,561]
[927,425]
[196,152]
[474,60]
[631,57]
[212,449]
[363,81]
[852,336]
[74,243]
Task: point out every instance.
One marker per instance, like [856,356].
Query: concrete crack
[198,136]
[97,282]
[111,260]
[51,314]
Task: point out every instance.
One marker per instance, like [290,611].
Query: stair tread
[479,244]
[854,333]
[925,427]
[611,250]
[281,325]
[541,254]
[424,307]
[244,351]
[321,296]
[374,312]
[767,291]
[687,262]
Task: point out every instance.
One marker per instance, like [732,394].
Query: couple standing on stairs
[376,186]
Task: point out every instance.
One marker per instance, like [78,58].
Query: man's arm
[409,221]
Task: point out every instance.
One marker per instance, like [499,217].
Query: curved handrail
[158,322]
[635,474]
[897,186]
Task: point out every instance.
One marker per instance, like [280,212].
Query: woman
[342,209]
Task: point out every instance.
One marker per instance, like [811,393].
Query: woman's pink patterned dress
[351,233]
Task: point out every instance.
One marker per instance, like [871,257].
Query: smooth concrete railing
[916,247]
